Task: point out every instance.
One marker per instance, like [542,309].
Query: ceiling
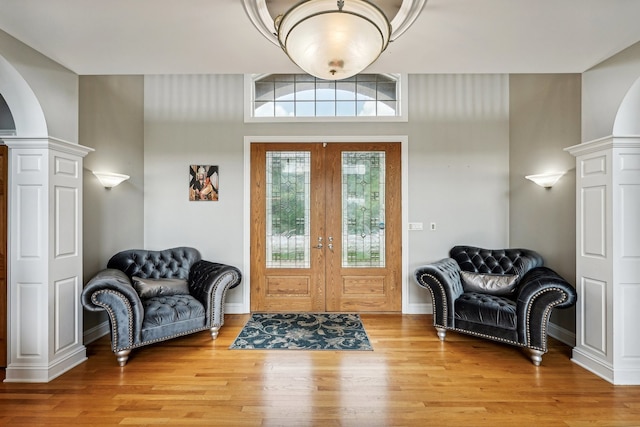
[216,36]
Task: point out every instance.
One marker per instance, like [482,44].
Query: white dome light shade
[546,180]
[332,42]
[109,179]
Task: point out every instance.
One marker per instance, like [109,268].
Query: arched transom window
[301,96]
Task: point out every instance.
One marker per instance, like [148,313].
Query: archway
[25,108]
[627,120]
[607,185]
[44,251]
[23,114]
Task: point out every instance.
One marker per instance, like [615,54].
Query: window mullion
[288,96]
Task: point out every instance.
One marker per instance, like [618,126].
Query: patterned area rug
[303,331]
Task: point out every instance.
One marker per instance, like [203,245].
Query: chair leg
[535,355]
[442,333]
[214,332]
[122,356]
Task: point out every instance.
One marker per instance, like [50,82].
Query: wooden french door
[326,227]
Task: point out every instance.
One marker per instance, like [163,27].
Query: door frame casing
[404,159]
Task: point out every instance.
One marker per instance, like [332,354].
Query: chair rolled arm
[111,290]
[540,291]
[442,279]
[209,283]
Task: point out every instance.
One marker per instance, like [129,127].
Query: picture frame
[203,183]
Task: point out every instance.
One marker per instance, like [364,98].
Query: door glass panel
[363,202]
[288,207]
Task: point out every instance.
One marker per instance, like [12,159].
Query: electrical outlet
[433,226]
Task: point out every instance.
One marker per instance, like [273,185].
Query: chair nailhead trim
[112,317]
[114,337]
[142,344]
[547,313]
[527,323]
[433,299]
[491,337]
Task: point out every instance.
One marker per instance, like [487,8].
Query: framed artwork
[203,183]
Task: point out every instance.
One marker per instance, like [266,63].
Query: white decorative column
[45,265]
[608,258]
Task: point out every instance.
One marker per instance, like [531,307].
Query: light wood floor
[410,379]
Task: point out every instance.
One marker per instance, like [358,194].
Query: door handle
[319,245]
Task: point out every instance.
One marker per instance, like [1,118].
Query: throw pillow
[493,284]
[148,288]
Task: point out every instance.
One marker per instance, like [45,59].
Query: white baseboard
[234,308]
[601,368]
[22,372]
[561,334]
[418,308]
[627,376]
[92,334]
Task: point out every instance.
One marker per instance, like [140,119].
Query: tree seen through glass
[288,209]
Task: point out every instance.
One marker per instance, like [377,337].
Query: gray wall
[544,119]
[464,172]
[458,132]
[603,89]
[458,154]
[55,87]
[458,165]
[112,123]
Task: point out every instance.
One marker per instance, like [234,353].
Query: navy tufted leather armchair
[138,321]
[519,317]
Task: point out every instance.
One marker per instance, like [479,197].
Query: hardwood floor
[410,379]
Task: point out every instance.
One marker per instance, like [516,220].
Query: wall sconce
[109,179]
[546,180]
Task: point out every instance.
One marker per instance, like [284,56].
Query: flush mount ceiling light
[332,39]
